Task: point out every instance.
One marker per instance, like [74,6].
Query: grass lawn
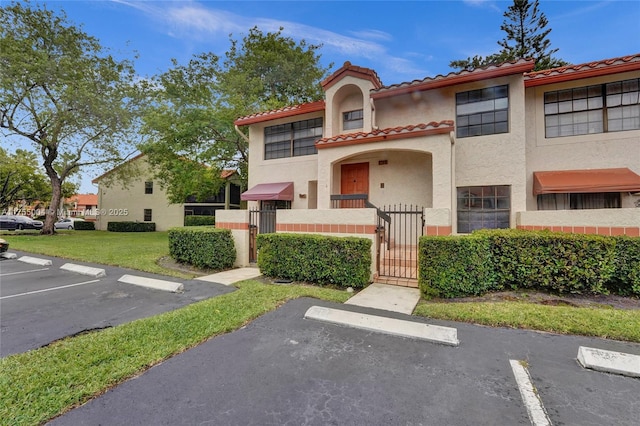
[40,384]
[615,324]
[135,250]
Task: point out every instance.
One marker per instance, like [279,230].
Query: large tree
[526,37]
[189,123]
[22,182]
[64,94]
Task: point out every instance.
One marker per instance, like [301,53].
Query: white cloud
[372,35]
[190,20]
[490,4]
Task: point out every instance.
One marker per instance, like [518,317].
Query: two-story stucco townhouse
[495,147]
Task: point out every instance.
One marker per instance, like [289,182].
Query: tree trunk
[54,205]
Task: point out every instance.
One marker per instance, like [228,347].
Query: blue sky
[401,41]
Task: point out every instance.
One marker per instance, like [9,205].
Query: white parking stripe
[49,289]
[530,397]
[23,272]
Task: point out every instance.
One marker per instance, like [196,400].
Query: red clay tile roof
[227,173]
[280,113]
[391,133]
[84,199]
[589,69]
[352,70]
[464,76]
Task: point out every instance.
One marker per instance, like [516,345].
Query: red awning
[581,181]
[269,191]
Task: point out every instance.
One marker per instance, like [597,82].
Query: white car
[67,223]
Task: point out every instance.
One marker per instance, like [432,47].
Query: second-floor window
[148,187]
[352,120]
[482,112]
[292,139]
[601,108]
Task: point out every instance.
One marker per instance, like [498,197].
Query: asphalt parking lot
[43,303]
[284,369]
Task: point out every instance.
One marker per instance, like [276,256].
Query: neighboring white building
[144,200]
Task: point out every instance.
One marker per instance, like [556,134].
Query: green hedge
[557,262]
[514,259]
[203,247]
[626,278]
[79,225]
[199,220]
[455,267]
[344,261]
[131,226]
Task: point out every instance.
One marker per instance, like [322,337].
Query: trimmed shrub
[131,226]
[203,247]
[551,261]
[455,266]
[487,260]
[84,226]
[199,220]
[626,277]
[319,259]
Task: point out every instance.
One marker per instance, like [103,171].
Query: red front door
[354,180]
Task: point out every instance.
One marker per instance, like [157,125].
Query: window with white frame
[482,111]
[483,207]
[292,139]
[352,120]
[600,108]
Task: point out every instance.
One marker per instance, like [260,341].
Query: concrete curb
[609,361]
[35,261]
[84,270]
[152,283]
[432,333]
[7,255]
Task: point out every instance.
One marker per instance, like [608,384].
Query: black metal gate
[400,228]
[260,222]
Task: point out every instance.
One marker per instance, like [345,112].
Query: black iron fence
[260,222]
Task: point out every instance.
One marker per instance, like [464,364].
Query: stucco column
[324,180]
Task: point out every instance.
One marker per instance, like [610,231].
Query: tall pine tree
[526,37]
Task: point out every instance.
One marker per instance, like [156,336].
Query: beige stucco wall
[240,218]
[122,204]
[341,217]
[480,160]
[595,151]
[403,177]
[418,171]
[426,170]
[496,159]
[590,217]
[299,170]
[437,217]
[347,95]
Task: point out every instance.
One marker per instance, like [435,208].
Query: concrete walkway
[387,297]
[231,276]
[379,296]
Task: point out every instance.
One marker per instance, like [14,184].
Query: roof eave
[289,112]
[581,74]
[478,75]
